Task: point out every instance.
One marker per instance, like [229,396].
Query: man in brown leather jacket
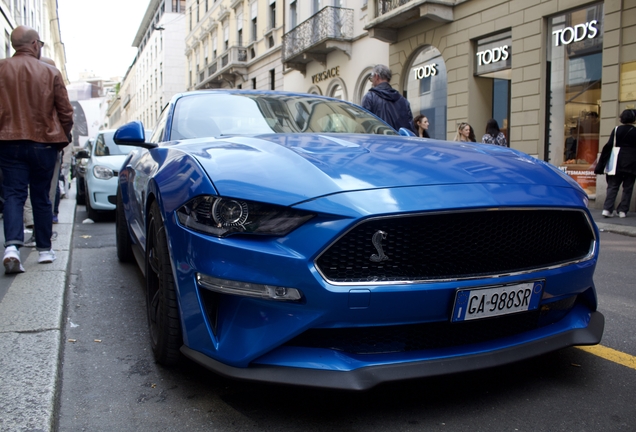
[36,118]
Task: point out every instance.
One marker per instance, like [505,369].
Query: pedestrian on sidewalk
[54,191]
[494,135]
[421,124]
[465,133]
[36,118]
[625,175]
[386,102]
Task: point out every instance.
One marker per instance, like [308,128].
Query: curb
[31,328]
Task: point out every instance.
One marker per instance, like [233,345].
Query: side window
[159,132]
[101,149]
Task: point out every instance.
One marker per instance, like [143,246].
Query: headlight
[102,172]
[224,216]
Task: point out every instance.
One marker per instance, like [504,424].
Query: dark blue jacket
[388,104]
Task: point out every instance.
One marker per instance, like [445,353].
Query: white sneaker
[622,214]
[46,257]
[11,260]
[608,214]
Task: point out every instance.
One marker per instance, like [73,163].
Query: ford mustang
[299,239]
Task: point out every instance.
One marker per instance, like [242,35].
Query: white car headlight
[224,216]
[102,172]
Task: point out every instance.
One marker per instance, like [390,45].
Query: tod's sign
[577,33]
[493,53]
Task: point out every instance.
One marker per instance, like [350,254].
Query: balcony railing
[387,17]
[225,67]
[331,23]
[386,6]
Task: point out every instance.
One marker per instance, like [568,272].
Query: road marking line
[611,355]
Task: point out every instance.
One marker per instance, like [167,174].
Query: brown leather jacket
[34,103]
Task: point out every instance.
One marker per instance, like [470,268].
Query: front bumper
[367,377]
[102,192]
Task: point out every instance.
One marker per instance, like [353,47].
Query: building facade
[555,74]
[326,49]
[40,15]
[158,68]
[234,44]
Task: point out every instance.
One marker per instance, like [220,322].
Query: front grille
[457,245]
[417,337]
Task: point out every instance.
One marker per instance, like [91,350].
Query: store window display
[575,42]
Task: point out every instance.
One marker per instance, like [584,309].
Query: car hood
[113,162]
[291,168]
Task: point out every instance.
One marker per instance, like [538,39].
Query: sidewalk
[32,326]
[624,226]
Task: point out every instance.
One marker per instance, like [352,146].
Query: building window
[316,6]
[226,37]
[197,59]
[272,79]
[293,15]
[254,83]
[198,16]
[272,14]
[190,74]
[253,17]
[239,26]
[215,41]
[160,74]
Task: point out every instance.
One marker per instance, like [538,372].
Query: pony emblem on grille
[377,242]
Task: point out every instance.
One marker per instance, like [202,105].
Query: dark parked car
[299,239]
[80,160]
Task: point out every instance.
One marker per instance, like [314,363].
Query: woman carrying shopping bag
[618,163]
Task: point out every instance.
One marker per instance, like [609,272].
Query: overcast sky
[98,35]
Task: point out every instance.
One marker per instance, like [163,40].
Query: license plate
[476,303]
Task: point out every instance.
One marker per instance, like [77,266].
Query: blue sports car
[299,239]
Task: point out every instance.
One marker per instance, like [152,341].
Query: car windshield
[105,146]
[207,115]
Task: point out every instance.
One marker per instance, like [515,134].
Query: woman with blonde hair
[465,133]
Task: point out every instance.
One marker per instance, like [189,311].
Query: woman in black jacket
[625,167]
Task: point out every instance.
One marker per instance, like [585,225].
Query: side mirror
[132,134]
[406,132]
[82,154]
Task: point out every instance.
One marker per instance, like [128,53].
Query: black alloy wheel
[80,195]
[122,235]
[92,213]
[161,297]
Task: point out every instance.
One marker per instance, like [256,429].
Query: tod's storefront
[555,75]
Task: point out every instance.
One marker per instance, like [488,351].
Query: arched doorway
[426,89]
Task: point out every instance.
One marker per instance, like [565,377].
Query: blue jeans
[25,163]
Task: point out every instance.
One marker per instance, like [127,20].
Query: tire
[92,213]
[122,235]
[80,195]
[161,298]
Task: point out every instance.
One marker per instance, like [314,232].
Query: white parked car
[104,160]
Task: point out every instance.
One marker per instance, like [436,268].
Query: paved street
[111,383]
